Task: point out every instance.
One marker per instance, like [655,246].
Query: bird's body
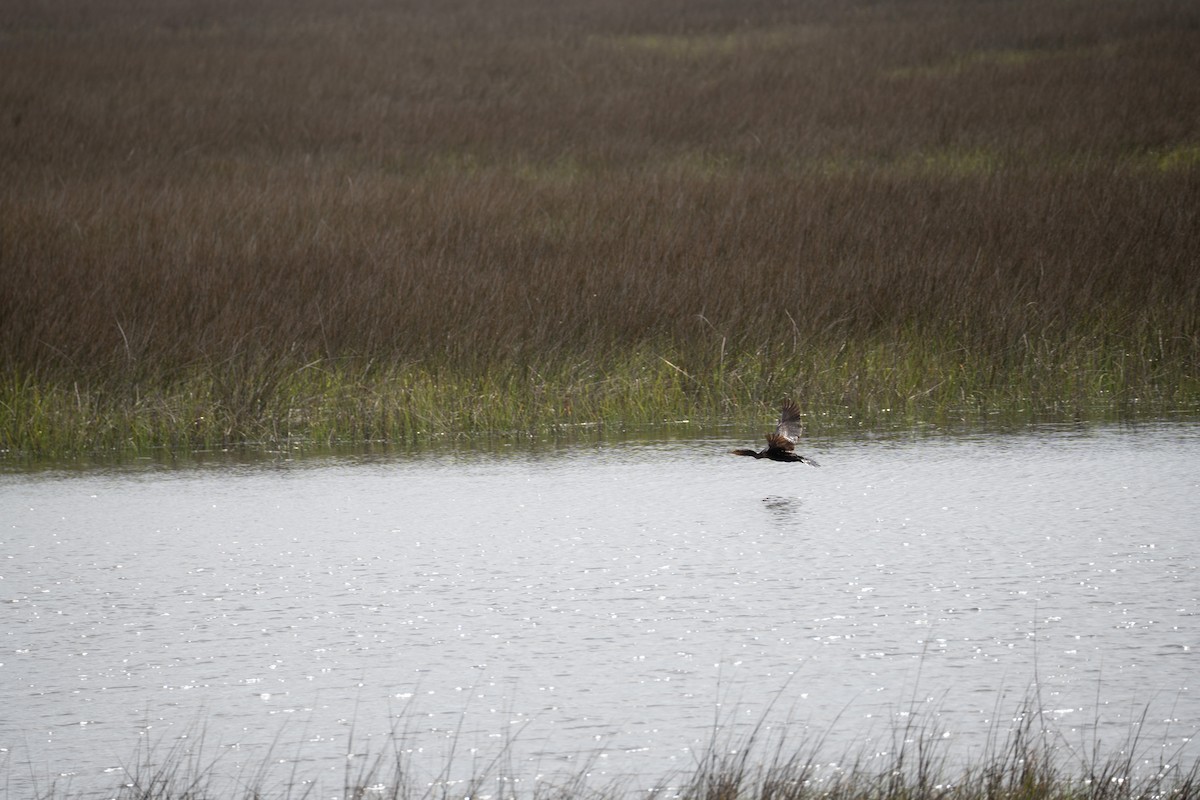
[781,444]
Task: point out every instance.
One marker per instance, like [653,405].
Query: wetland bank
[317,222]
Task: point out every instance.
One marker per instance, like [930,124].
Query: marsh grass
[1024,759]
[310,221]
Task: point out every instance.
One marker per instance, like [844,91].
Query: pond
[609,609]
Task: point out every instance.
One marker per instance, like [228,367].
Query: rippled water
[599,605]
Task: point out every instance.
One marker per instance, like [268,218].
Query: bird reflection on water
[783,509]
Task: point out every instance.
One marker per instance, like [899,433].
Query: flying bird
[781,445]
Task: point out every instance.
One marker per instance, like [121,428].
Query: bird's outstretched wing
[777,441]
[789,425]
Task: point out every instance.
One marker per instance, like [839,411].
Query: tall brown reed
[245,189]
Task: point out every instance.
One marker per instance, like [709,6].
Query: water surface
[598,607]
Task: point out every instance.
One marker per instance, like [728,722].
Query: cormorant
[781,444]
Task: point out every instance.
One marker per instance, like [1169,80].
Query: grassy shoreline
[310,221]
[316,405]
[1029,761]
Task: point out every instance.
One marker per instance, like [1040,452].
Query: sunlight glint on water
[600,604]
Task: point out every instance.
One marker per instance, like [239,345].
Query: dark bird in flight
[781,445]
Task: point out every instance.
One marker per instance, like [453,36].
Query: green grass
[234,224]
[852,385]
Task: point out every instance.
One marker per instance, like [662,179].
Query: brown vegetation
[218,186]
[1028,761]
